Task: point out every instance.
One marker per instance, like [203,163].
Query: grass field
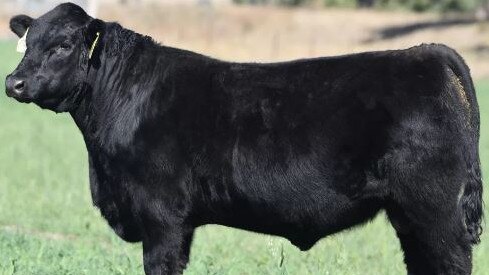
[49,226]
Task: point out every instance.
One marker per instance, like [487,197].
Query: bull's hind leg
[426,210]
[433,246]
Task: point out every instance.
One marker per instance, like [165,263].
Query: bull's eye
[64,46]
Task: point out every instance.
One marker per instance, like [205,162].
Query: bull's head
[59,45]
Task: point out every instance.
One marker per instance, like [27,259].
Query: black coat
[299,149]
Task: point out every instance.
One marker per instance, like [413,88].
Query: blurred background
[47,222]
[271,30]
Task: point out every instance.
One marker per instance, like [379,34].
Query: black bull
[299,149]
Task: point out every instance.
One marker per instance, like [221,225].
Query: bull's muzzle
[15,87]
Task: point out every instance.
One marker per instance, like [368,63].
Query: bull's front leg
[165,220]
[166,249]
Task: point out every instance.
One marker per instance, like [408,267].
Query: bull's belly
[303,222]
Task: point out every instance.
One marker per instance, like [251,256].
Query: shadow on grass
[481,50]
[401,30]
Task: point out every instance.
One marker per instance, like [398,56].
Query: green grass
[49,226]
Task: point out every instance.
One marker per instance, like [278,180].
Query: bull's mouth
[19,97]
[55,104]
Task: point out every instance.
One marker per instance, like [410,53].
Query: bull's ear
[20,23]
[93,33]
[95,25]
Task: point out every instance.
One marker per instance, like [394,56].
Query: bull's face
[54,68]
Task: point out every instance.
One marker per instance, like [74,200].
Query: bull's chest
[111,193]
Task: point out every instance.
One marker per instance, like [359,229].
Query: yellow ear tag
[92,48]
[22,45]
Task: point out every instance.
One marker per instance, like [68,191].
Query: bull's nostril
[19,86]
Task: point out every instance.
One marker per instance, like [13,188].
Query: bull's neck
[116,89]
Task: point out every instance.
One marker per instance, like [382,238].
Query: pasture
[49,226]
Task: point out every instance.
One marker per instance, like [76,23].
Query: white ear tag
[21,45]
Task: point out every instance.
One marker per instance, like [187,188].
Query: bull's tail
[471,199]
